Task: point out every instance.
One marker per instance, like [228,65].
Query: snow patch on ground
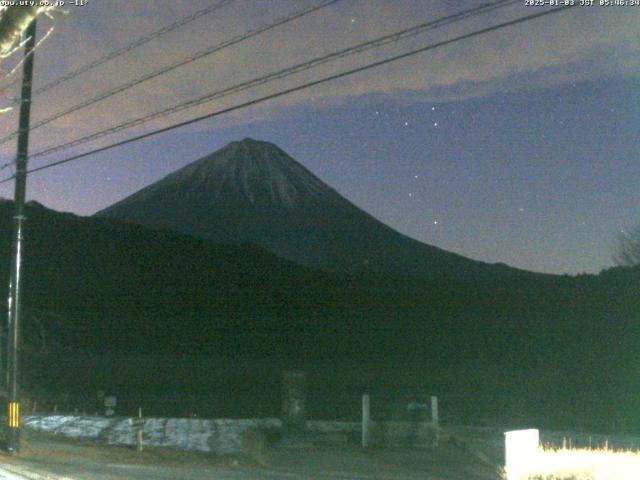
[221,436]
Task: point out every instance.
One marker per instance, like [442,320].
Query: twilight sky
[520,146]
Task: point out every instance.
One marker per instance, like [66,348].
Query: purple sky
[520,146]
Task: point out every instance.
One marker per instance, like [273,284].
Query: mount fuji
[253,192]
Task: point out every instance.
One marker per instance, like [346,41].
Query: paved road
[67,468]
[133,472]
[148,472]
[109,472]
[49,458]
[7,475]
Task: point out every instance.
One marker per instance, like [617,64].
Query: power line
[135,44]
[286,72]
[116,53]
[303,87]
[180,63]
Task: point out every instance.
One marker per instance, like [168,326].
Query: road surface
[45,457]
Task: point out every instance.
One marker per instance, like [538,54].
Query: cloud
[582,43]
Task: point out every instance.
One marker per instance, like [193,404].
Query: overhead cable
[303,87]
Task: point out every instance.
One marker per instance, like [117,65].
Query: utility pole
[13,333]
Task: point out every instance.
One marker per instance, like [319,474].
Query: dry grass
[579,464]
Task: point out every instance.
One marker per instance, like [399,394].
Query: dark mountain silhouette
[97,285]
[253,192]
[416,315]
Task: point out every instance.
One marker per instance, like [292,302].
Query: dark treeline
[98,286]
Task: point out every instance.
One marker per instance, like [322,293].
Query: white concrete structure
[521,451]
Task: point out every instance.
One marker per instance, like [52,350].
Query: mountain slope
[252,191]
[97,285]
[120,286]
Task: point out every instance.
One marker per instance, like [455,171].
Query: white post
[521,450]
[139,430]
[366,420]
[434,410]
[435,420]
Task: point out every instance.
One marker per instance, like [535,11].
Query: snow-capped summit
[252,191]
[251,171]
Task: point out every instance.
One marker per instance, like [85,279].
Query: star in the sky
[435,124]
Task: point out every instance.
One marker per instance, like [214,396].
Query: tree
[627,248]
[14,21]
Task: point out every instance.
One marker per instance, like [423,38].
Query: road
[51,458]
[134,472]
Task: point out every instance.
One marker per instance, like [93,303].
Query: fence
[393,417]
[547,410]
